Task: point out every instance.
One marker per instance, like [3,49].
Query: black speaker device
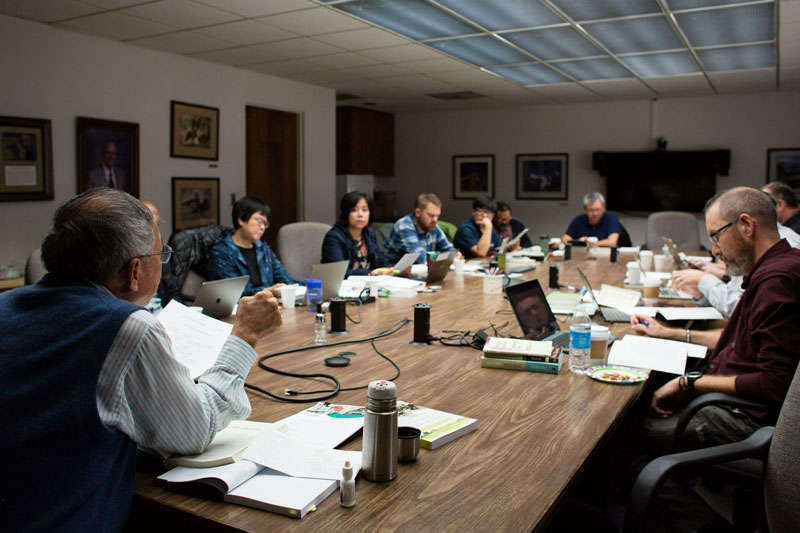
[422,324]
[338,309]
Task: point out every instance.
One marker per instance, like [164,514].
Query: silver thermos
[379,457]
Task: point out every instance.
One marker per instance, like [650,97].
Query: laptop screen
[533,312]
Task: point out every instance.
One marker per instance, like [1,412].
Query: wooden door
[272,166]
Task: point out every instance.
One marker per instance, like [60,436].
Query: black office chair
[624,237]
[777,448]
[182,276]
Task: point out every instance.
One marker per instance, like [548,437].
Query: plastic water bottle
[313,294]
[319,328]
[580,338]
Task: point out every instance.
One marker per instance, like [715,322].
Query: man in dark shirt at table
[594,222]
[785,204]
[755,356]
[508,227]
[476,236]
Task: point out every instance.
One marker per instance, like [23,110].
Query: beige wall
[746,124]
[59,75]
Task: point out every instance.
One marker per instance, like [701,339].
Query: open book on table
[437,427]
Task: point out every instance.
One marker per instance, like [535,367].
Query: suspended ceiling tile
[655,65]
[256,8]
[111,4]
[504,14]
[744,81]
[435,66]
[620,89]
[397,54]
[790,12]
[341,60]
[241,55]
[635,35]
[594,69]
[580,10]
[554,43]
[380,71]
[691,84]
[738,57]
[568,93]
[180,13]
[744,24]
[790,78]
[481,50]
[246,32]
[46,10]
[182,42]
[413,18]
[279,68]
[532,74]
[462,77]
[117,26]
[364,39]
[299,48]
[316,21]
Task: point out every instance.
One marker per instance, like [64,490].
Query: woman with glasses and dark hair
[352,239]
[243,253]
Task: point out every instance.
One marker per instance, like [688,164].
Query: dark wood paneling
[272,165]
[364,141]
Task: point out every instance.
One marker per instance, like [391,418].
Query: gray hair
[96,233]
[740,200]
[593,197]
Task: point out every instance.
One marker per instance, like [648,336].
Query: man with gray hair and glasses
[88,374]
[594,222]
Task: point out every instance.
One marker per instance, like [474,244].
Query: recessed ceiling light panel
[601,68]
[655,65]
[635,35]
[554,43]
[738,57]
[580,10]
[416,19]
[746,24]
[533,74]
[504,14]
[483,50]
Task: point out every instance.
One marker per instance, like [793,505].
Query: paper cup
[288,295]
[599,342]
[646,257]
[591,242]
[650,291]
[458,266]
[633,273]
[661,263]
[492,284]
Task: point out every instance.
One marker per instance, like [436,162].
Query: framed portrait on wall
[542,176]
[473,176]
[194,131]
[195,202]
[26,159]
[783,164]
[108,154]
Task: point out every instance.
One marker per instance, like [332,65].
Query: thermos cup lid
[382,390]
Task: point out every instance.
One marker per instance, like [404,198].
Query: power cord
[326,393]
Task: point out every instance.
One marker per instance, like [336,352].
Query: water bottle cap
[382,390]
[314,283]
[347,470]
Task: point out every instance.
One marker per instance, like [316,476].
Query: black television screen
[660,180]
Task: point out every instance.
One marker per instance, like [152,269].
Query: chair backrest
[681,227]
[191,247]
[300,246]
[34,267]
[382,231]
[449,229]
[624,237]
[782,472]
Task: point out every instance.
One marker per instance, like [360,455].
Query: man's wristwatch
[687,383]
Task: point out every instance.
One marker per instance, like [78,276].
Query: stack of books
[521,354]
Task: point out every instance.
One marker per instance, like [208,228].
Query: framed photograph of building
[195,202]
[194,131]
[783,164]
[542,176]
[473,176]
[26,159]
[108,154]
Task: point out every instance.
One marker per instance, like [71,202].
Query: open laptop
[332,275]
[534,314]
[609,313]
[218,297]
[437,270]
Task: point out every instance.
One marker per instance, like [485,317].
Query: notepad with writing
[437,427]
[522,348]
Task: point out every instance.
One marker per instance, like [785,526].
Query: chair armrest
[756,446]
[712,398]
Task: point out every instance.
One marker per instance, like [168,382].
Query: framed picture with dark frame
[542,176]
[195,202]
[783,164]
[194,131]
[108,154]
[26,159]
[473,176]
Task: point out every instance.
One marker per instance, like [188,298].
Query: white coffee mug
[458,266]
[660,262]
[632,276]
[646,256]
[288,295]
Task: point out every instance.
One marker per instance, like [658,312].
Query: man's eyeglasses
[714,236]
[261,222]
[165,253]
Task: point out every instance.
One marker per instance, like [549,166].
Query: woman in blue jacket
[243,253]
[352,239]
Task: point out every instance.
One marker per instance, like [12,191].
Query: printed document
[196,338]
[654,354]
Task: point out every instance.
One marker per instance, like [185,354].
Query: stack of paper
[563,303]
[623,299]
[654,354]
[690,313]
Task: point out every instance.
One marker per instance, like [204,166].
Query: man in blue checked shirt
[418,232]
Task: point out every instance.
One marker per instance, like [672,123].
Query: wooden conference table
[535,431]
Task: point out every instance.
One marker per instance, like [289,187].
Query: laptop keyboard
[614,315]
[561,340]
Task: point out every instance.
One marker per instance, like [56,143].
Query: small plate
[617,374]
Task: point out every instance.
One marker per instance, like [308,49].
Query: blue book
[516,364]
